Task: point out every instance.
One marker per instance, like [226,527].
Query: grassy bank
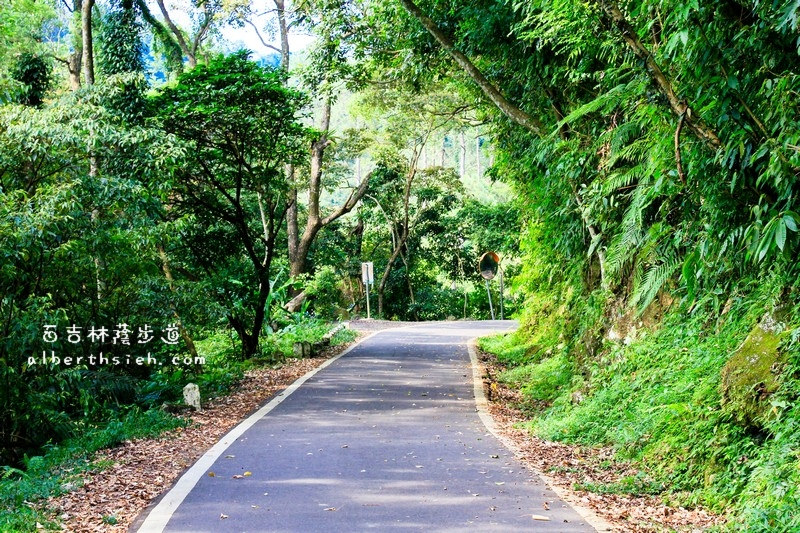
[701,396]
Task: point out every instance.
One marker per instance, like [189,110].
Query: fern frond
[622,248]
[607,100]
[623,135]
[622,178]
[636,152]
[626,242]
[646,290]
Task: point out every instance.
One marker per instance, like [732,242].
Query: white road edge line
[158,518]
[482,406]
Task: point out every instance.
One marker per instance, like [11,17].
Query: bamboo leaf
[780,235]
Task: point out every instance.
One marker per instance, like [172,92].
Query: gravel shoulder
[568,466]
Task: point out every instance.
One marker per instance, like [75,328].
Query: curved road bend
[385,438]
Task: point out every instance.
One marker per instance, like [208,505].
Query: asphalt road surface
[385,438]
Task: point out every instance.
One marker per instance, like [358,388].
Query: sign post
[489,294]
[501,292]
[368,277]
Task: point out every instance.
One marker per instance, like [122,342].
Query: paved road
[385,438]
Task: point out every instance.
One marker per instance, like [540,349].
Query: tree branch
[260,38]
[679,107]
[350,203]
[510,110]
[201,34]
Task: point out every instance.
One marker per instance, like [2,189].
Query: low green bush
[59,468]
[280,345]
[510,349]
[324,292]
[543,381]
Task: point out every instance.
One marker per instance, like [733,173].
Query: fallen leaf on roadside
[212,474]
[247,474]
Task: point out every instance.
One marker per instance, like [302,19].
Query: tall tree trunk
[358,234]
[250,345]
[296,262]
[74,59]
[478,156]
[74,69]
[410,286]
[388,270]
[283,29]
[292,224]
[402,235]
[99,263]
[171,282]
[86,38]
[264,224]
[88,76]
[315,222]
[250,336]
[462,160]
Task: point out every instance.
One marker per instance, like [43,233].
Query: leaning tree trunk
[493,93]
[299,247]
[677,105]
[387,271]
[179,37]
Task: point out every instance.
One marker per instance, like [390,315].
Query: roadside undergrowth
[61,470]
[699,398]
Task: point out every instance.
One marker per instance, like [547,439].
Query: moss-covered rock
[751,374]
